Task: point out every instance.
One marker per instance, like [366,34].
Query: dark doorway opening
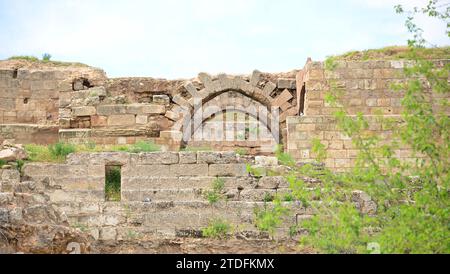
[302,100]
[113,179]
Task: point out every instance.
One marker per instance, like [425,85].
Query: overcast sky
[179,38]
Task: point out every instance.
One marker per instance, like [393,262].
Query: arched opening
[232,121]
[233,130]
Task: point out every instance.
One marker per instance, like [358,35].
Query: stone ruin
[161,192]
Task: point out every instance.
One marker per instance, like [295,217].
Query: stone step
[125,220]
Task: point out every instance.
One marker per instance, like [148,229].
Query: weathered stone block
[189,170]
[208,157]
[104,158]
[141,119]
[257,195]
[171,135]
[5,198]
[4,216]
[284,83]
[99,121]
[84,111]
[145,109]
[266,161]
[111,109]
[255,78]
[364,202]
[121,120]
[11,175]
[174,116]
[188,157]
[108,234]
[228,170]
[161,99]
[15,215]
[157,158]
[154,170]
[268,182]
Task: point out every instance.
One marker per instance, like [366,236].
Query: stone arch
[244,105]
[208,89]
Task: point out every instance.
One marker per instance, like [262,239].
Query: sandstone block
[13,154]
[255,78]
[4,216]
[228,170]
[157,158]
[141,119]
[257,195]
[121,120]
[284,83]
[171,135]
[145,109]
[188,157]
[98,121]
[103,158]
[189,170]
[154,170]
[269,88]
[161,99]
[108,234]
[266,161]
[271,182]
[172,115]
[97,91]
[111,109]
[84,111]
[208,157]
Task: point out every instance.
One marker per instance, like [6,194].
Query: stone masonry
[74,103]
[162,193]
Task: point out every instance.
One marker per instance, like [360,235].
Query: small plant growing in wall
[241,151]
[131,234]
[257,172]
[217,228]
[269,218]
[284,158]
[216,193]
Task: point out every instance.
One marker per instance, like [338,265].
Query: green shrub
[142,146]
[196,149]
[217,228]
[24,57]
[46,57]
[61,149]
[2,163]
[284,158]
[269,218]
[39,153]
[412,197]
[216,193]
[255,171]
[288,197]
[241,151]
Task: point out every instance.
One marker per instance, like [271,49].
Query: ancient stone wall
[363,87]
[161,192]
[86,106]
[29,97]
